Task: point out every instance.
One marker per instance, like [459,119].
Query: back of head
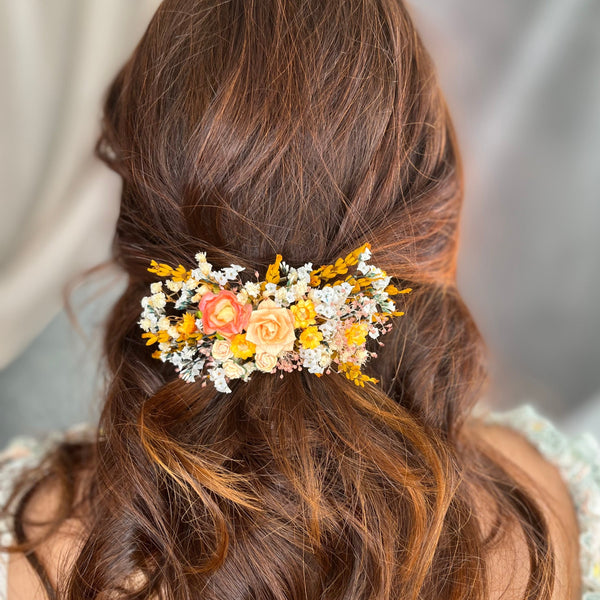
[305,128]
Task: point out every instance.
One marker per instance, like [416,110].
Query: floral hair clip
[294,319]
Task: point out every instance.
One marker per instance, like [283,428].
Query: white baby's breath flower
[164,323]
[346,287]
[326,310]
[201,257]
[158,300]
[242,296]
[380,284]
[195,369]
[281,296]
[200,292]
[187,353]
[292,275]
[164,346]
[153,320]
[270,288]
[249,367]
[205,269]
[232,271]
[221,386]
[145,324]
[365,254]
[191,284]
[311,358]
[299,289]
[368,305]
[325,359]
[303,273]
[173,333]
[363,267]
[186,296]
[156,287]
[252,288]
[220,277]
[388,306]
[346,354]
[217,376]
[328,329]
[360,355]
[174,286]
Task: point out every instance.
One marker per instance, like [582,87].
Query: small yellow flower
[356,334]
[272,275]
[181,274]
[352,258]
[241,347]
[304,313]
[161,337]
[353,373]
[188,325]
[161,269]
[311,337]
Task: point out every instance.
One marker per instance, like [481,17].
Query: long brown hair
[246,128]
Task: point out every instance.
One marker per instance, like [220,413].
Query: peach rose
[233,370]
[271,328]
[223,313]
[221,349]
[265,361]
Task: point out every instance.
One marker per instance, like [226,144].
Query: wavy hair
[246,128]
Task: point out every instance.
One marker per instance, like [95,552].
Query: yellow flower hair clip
[295,318]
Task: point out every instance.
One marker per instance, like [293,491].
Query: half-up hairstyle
[246,128]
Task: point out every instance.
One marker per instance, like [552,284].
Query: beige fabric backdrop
[59,204]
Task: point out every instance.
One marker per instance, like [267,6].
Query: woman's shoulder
[19,455]
[566,470]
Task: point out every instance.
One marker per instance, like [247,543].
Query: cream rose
[271,328]
[265,361]
[233,370]
[222,349]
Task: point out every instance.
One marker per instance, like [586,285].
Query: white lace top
[577,458]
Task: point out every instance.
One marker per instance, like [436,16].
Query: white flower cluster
[316,360]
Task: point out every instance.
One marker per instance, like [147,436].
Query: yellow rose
[311,337]
[271,328]
[265,361]
[356,334]
[241,347]
[304,313]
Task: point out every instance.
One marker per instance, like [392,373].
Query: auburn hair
[246,128]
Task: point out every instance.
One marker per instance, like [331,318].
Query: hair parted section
[246,128]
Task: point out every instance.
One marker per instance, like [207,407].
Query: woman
[317,132]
